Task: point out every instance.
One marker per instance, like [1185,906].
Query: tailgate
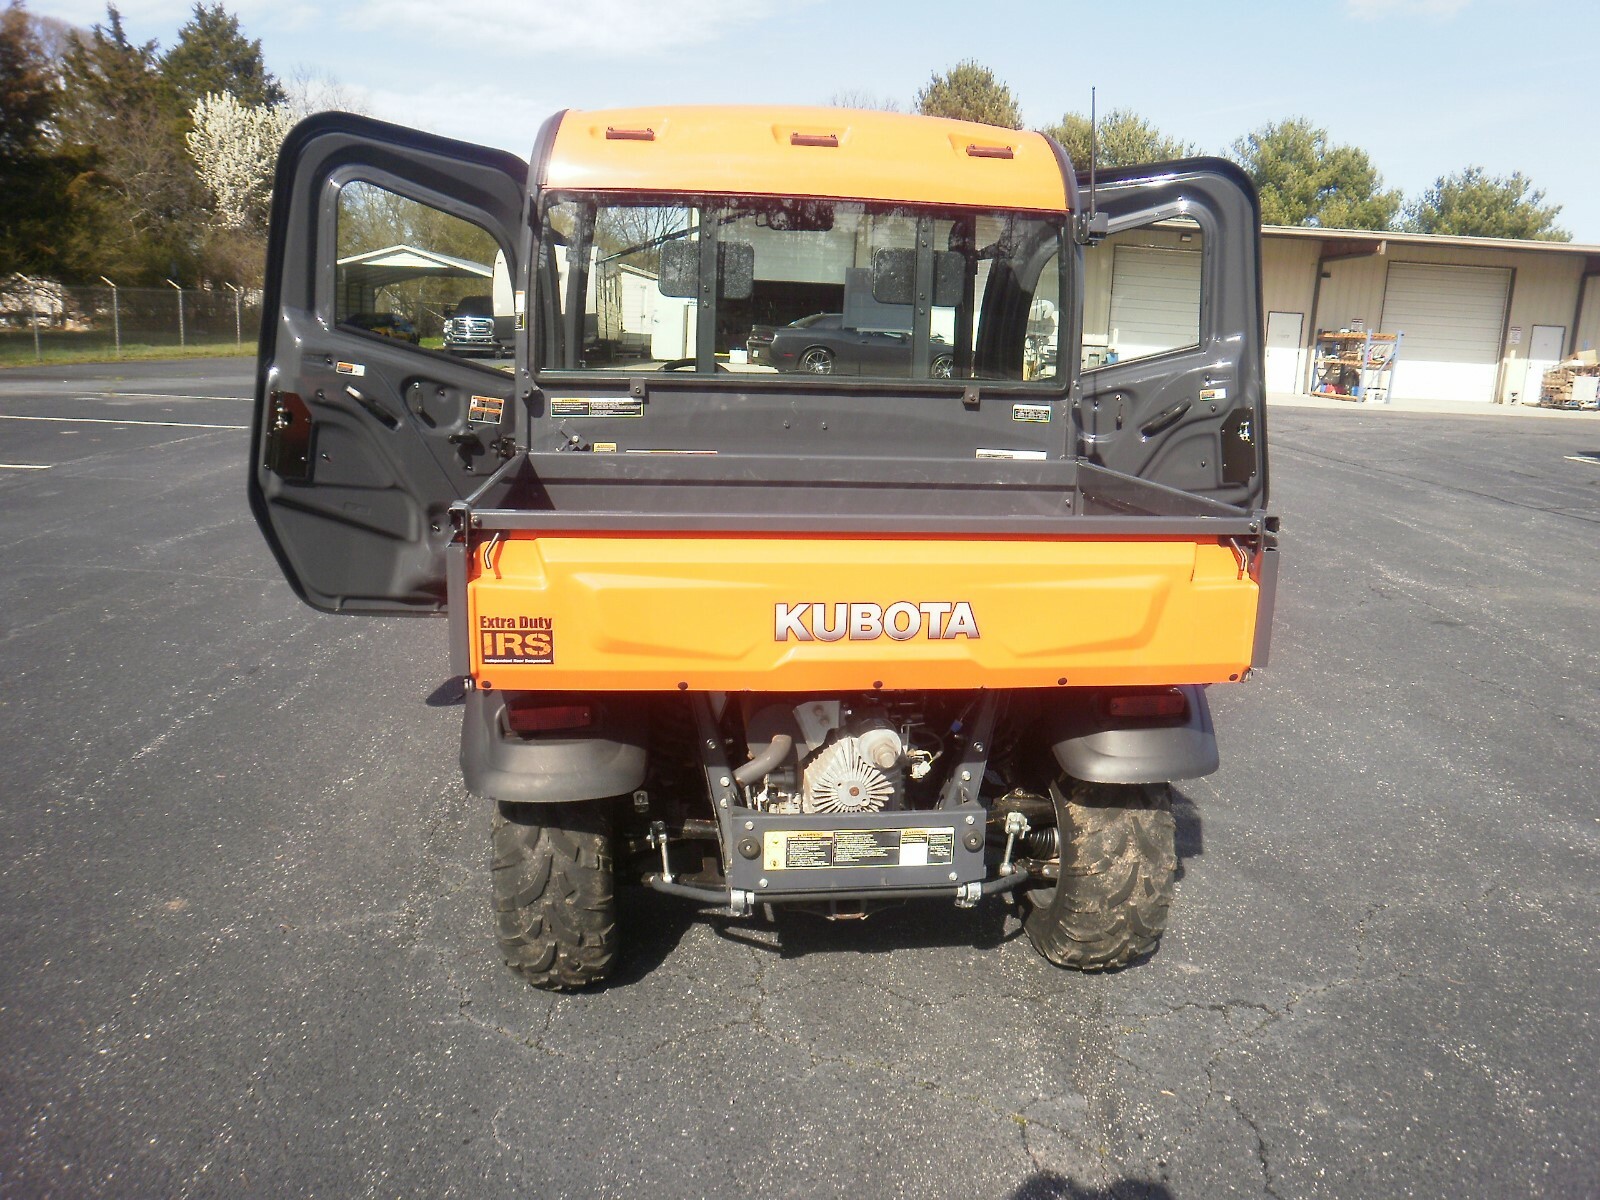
[729,612]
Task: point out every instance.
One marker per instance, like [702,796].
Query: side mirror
[680,270]
[894,273]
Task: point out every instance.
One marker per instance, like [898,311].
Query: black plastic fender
[1091,745]
[606,760]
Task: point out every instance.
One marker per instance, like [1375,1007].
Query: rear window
[836,288]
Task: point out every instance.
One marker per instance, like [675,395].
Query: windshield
[828,287]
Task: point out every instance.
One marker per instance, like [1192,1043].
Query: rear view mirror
[798,216]
[680,270]
[894,273]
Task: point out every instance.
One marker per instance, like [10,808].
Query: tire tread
[1118,866]
[554,899]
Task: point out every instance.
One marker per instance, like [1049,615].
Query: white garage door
[1452,318]
[1155,301]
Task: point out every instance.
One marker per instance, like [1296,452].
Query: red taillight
[1148,704]
[527,717]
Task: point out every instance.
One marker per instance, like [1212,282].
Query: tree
[1304,180]
[235,149]
[37,221]
[970,92]
[1475,204]
[1125,139]
[861,98]
[140,195]
[213,55]
[310,91]
[28,92]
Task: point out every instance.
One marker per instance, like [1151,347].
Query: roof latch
[613,134]
[814,139]
[976,151]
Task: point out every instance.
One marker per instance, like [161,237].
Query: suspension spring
[1040,843]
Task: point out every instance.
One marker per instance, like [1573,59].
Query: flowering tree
[235,148]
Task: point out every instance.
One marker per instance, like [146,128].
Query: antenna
[1092,226]
[1094,151]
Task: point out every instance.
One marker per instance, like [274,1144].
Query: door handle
[386,418]
[1164,419]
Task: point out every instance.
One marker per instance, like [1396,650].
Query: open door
[1172,374]
[366,429]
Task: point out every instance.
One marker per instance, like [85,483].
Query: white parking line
[153,396]
[24,466]
[129,421]
[1592,460]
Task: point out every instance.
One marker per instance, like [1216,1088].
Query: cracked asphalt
[245,946]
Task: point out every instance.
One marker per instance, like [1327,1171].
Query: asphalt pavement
[245,946]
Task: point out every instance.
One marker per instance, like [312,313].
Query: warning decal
[597,407]
[516,641]
[799,850]
[486,410]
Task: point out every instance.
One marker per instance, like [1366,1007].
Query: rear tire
[1118,863]
[555,904]
[817,361]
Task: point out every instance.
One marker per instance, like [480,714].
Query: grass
[16,349]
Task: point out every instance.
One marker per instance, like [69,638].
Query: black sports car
[822,345]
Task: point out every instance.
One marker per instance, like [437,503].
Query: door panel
[363,437]
[1171,389]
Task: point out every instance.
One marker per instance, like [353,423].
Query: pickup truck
[937,630]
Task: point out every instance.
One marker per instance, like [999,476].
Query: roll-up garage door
[1452,318]
[1155,301]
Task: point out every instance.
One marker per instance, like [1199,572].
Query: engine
[843,760]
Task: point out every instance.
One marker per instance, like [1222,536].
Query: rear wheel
[1118,862]
[817,361]
[555,905]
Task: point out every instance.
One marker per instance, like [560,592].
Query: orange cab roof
[833,152]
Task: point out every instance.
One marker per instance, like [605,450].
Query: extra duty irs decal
[520,641]
[935,620]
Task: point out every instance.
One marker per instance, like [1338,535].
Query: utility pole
[38,355]
[238,327]
[116,315]
[181,342]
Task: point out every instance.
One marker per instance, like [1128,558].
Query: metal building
[1481,318]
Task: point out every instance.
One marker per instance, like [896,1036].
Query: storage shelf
[1355,364]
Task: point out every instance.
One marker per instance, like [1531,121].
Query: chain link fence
[41,319]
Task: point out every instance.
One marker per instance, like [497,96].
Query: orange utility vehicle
[863,519]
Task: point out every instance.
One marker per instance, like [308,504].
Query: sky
[1426,87]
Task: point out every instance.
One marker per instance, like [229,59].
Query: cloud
[604,29]
[1372,10]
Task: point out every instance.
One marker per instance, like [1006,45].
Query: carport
[362,276]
